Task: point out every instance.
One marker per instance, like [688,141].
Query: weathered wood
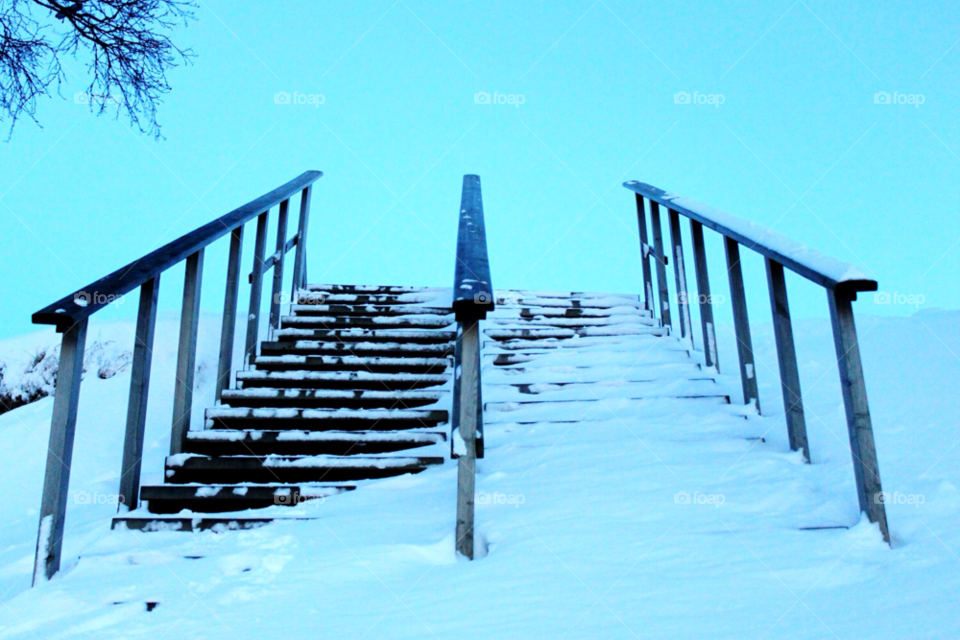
[467,429]
[866,469]
[455,420]
[741,324]
[704,297]
[256,287]
[277,292]
[187,352]
[229,327]
[129,496]
[66,312]
[787,359]
[300,257]
[648,303]
[272,260]
[56,483]
[680,276]
[472,290]
[659,256]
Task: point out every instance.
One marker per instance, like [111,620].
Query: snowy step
[358,349]
[556,311]
[563,334]
[571,323]
[366,310]
[413,321]
[601,390]
[351,363]
[172,498]
[322,419]
[576,299]
[321,399]
[340,380]
[395,299]
[366,335]
[367,289]
[190,468]
[223,442]
[619,410]
[188,524]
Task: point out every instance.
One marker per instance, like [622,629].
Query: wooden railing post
[256,288]
[277,291]
[703,296]
[680,275]
[229,326]
[661,259]
[300,257]
[56,483]
[866,469]
[645,258]
[187,352]
[129,496]
[787,359]
[741,324]
[467,457]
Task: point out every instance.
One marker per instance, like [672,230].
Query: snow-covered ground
[582,533]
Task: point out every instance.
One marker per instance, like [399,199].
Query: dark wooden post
[187,353]
[741,324]
[256,287]
[680,275]
[703,295]
[866,469]
[661,259]
[56,483]
[129,497]
[467,430]
[645,258]
[229,327]
[300,257]
[787,358]
[278,265]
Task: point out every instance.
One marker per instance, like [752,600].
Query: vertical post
[466,430]
[229,327]
[300,257]
[278,265]
[129,496]
[787,359]
[703,296]
[741,323]
[865,466]
[256,287]
[680,274]
[187,352]
[645,257]
[661,264]
[56,483]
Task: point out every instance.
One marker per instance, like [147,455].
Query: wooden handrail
[472,292]
[83,303]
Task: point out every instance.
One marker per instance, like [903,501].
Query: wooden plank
[704,297]
[658,255]
[680,276]
[56,483]
[272,260]
[741,324]
[66,312]
[466,434]
[472,290]
[187,352]
[256,288]
[229,327]
[278,265]
[455,420]
[300,257]
[129,496]
[787,359]
[648,303]
[866,469]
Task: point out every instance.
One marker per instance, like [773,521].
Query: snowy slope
[582,535]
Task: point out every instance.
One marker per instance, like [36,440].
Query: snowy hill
[584,527]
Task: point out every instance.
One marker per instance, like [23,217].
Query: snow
[660,518]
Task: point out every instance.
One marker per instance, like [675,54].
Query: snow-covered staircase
[354,386]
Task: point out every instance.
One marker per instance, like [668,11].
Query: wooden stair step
[322,419]
[329,399]
[190,524]
[564,334]
[358,349]
[571,323]
[367,310]
[366,335]
[340,380]
[190,468]
[173,498]
[367,289]
[223,442]
[351,363]
[389,299]
[362,322]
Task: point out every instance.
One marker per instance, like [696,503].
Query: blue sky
[798,144]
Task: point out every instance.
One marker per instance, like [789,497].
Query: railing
[70,315]
[472,300]
[841,281]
